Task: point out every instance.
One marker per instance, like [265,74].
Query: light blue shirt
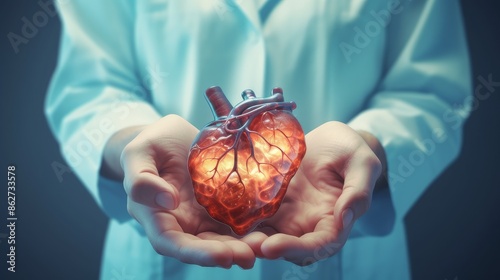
[398,69]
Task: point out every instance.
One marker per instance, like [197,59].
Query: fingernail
[165,200]
[347,217]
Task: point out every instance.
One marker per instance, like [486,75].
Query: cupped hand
[161,199]
[330,191]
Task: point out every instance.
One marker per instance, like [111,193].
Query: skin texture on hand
[331,190]
[161,199]
[111,167]
[379,219]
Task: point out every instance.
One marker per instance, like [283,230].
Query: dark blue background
[454,230]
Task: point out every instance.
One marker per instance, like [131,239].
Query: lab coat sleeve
[419,107]
[95,91]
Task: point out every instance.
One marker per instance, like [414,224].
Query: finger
[255,240]
[142,181]
[268,227]
[323,242]
[192,250]
[168,239]
[243,255]
[359,179]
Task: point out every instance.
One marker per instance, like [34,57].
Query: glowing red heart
[242,162]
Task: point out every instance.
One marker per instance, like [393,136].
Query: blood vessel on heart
[242,162]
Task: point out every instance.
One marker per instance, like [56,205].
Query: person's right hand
[161,199]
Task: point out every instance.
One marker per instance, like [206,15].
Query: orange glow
[241,178]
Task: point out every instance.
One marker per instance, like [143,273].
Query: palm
[309,219]
[155,165]
[309,200]
[305,224]
[190,216]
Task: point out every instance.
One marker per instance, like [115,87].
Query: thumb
[152,190]
[357,191]
[142,182]
[351,205]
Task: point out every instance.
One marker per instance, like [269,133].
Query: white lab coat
[400,77]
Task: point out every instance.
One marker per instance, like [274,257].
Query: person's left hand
[330,191]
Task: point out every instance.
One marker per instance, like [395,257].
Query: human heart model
[242,162]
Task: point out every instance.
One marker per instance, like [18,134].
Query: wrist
[110,163]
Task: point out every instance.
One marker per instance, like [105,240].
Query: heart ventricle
[242,162]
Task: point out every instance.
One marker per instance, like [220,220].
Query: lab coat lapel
[250,10]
